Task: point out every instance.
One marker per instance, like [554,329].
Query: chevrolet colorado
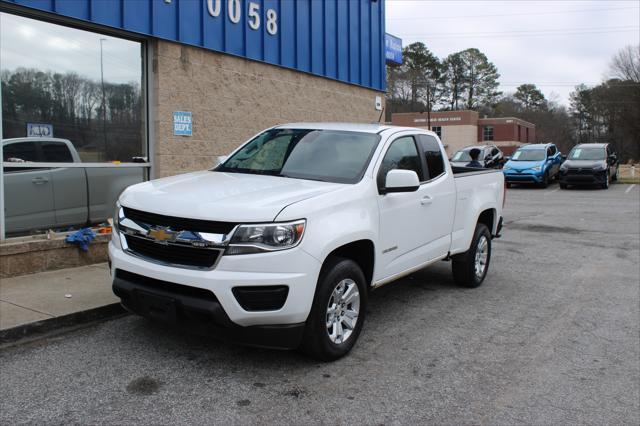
[280,244]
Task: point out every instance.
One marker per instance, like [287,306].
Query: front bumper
[197,311]
[294,268]
[583,177]
[525,176]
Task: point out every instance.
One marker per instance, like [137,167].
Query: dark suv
[590,164]
[490,156]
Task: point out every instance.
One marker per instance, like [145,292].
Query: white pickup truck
[280,244]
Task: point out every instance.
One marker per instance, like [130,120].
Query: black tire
[563,185]
[316,341]
[545,181]
[508,184]
[605,185]
[463,265]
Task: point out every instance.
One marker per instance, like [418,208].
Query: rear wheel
[470,268]
[338,310]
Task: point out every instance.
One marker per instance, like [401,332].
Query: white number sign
[234,13]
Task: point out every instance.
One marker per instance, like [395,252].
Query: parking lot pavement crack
[27,308]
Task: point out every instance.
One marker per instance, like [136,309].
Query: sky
[555,45]
[35,44]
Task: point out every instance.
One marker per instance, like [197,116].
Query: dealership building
[458,129]
[167,86]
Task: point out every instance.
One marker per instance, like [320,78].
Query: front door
[402,215]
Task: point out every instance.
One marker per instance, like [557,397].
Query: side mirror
[221,159]
[401,181]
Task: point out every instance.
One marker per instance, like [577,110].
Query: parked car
[533,163]
[588,164]
[280,245]
[490,156]
[57,197]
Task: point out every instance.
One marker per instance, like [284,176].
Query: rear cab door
[69,184]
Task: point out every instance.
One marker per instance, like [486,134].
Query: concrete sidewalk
[38,298]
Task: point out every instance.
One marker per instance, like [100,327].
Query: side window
[495,151]
[20,152]
[56,152]
[553,149]
[549,152]
[433,156]
[402,154]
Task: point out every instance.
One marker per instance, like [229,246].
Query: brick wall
[232,99]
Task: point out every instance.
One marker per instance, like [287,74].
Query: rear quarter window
[433,156]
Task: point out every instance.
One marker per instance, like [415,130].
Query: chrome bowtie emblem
[161,235]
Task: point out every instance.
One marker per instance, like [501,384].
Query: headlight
[116,217]
[600,168]
[536,168]
[266,237]
[506,168]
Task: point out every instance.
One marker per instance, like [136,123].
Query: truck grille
[179,223]
[173,253]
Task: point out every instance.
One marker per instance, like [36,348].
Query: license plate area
[156,307]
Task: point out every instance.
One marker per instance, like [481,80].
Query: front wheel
[470,268]
[338,310]
[545,180]
[605,185]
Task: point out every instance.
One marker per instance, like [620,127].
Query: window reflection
[78,85]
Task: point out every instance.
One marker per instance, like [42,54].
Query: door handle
[426,200]
[39,180]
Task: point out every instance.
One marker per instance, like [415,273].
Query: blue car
[534,163]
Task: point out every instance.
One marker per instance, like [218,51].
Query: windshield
[587,154]
[529,155]
[461,156]
[325,155]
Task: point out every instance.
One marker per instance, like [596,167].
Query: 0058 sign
[234,12]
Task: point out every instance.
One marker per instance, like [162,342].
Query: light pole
[104,103]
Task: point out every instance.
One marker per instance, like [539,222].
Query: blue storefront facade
[338,39]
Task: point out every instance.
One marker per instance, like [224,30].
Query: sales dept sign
[182,123]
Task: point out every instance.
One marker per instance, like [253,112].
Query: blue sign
[39,130]
[182,124]
[392,49]
[338,39]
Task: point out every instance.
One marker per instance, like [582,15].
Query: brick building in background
[458,129]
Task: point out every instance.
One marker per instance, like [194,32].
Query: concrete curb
[14,334]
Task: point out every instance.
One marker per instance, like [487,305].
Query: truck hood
[523,165]
[586,164]
[225,197]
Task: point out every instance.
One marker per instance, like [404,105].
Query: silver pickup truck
[57,197]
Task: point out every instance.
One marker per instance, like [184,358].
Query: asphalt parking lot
[552,337]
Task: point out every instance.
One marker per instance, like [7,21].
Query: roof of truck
[350,127]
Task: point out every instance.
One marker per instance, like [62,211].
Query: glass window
[19,152]
[56,152]
[438,131]
[487,133]
[327,155]
[68,95]
[402,154]
[433,156]
[78,85]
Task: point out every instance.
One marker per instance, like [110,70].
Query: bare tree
[625,65]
